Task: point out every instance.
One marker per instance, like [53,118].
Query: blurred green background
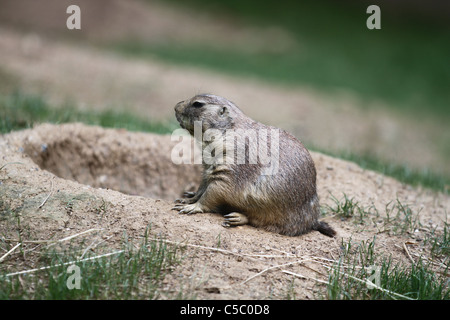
[384,95]
[406,63]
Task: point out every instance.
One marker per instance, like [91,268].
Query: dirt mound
[71,178]
[135,164]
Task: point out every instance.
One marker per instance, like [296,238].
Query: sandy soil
[86,167]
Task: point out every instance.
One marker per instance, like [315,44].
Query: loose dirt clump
[67,179]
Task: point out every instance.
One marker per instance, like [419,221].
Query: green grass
[404,64]
[347,208]
[439,241]
[348,278]
[128,273]
[399,218]
[424,279]
[22,111]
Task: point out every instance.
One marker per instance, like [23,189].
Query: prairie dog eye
[198,104]
[222,111]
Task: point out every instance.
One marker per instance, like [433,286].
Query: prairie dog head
[212,111]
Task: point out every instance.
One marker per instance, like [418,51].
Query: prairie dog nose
[178,106]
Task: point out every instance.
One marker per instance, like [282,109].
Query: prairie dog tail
[325,229]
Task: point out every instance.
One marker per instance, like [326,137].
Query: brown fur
[285,202]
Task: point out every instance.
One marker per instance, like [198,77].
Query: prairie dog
[275,190]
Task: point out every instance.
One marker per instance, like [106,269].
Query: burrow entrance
[132,163]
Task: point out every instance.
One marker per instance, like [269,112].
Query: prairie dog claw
[234,219]
[188,208]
